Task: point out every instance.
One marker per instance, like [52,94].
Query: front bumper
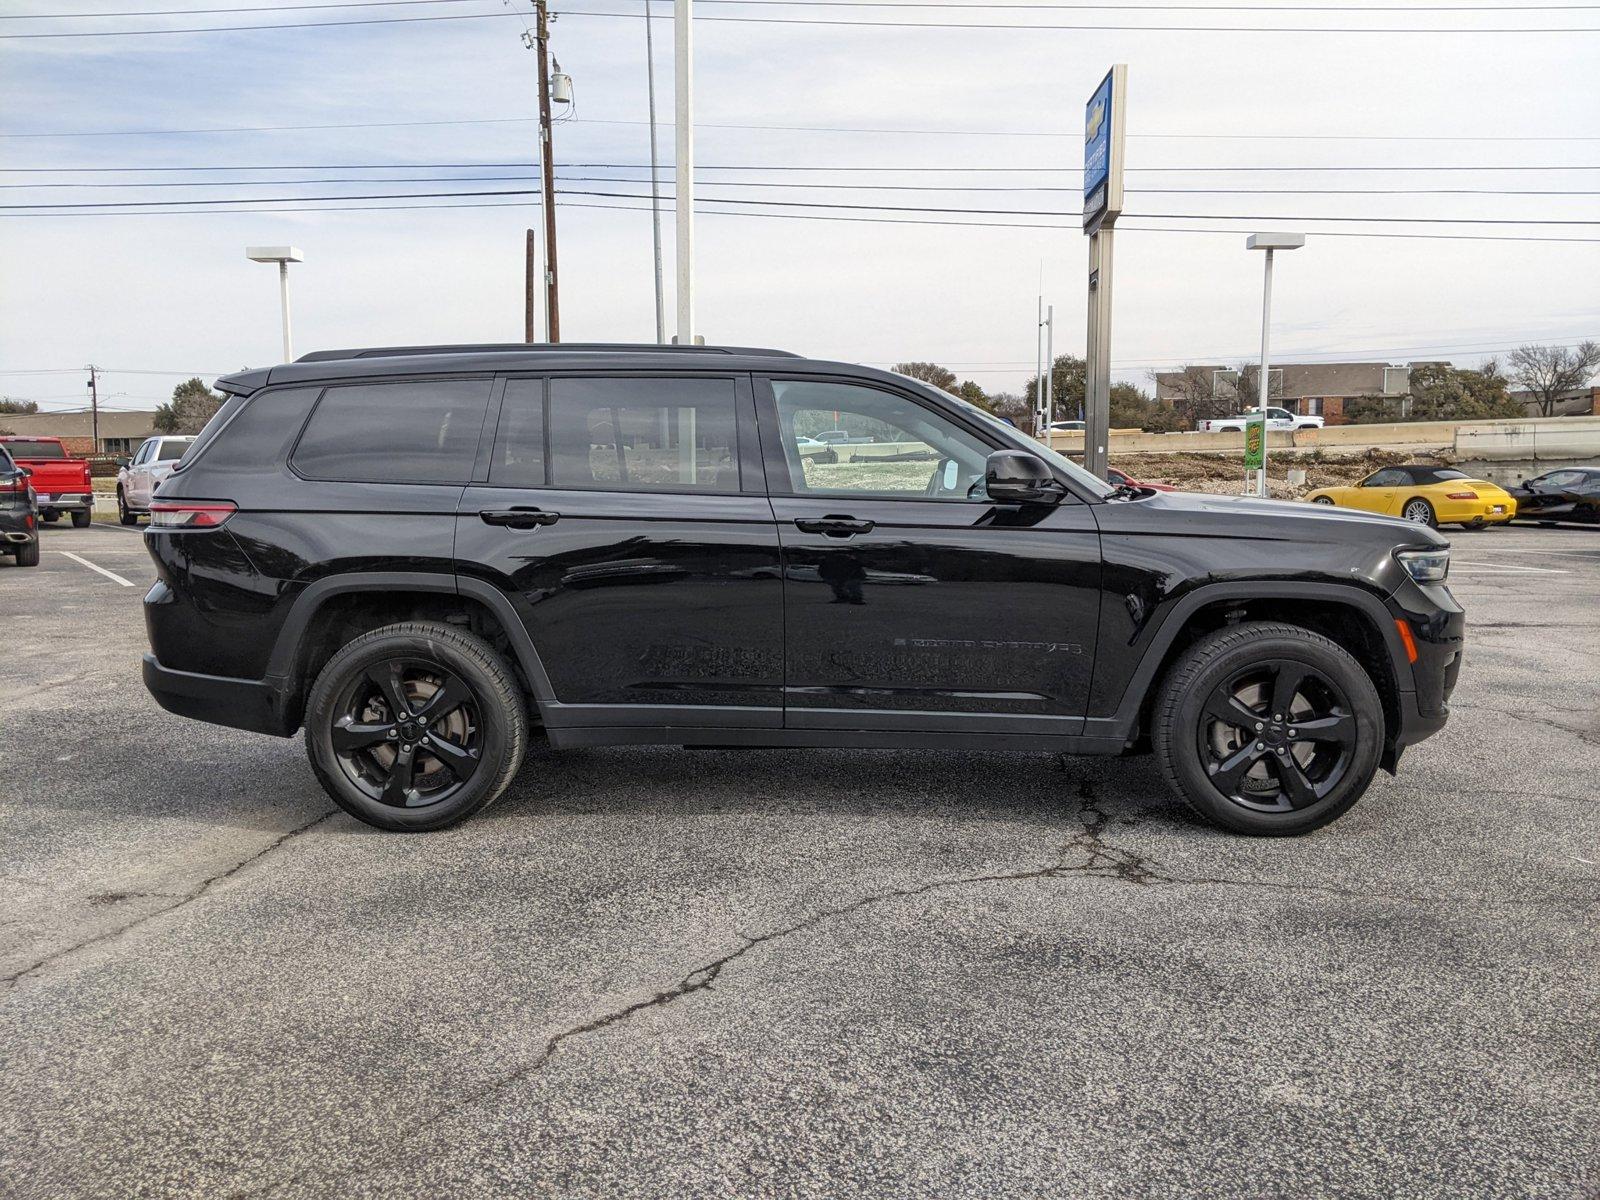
[253,704]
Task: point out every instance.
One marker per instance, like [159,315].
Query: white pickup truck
[1278,419]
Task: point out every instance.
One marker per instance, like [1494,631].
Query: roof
[80,424]
[540,348]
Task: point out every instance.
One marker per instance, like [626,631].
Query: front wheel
[1268,729]
[416,726]
[1420,511]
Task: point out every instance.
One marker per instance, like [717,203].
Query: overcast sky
[162,293]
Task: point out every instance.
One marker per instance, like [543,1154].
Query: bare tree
[1203,393]
[1548,372]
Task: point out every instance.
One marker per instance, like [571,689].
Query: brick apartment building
[120,432]
[1311,389]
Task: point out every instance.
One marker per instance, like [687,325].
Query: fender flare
[1123,723]
[286,650]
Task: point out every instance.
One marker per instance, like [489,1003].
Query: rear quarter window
[411,432]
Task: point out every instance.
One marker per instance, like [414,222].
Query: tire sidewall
[496,725]
[1313,651]
[1433,520]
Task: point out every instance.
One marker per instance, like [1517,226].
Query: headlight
[1425,566]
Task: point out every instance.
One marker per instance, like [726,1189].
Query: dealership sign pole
[1103,128]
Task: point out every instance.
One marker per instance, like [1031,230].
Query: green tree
[927,372]
[19,407]
[1440,392]
[191,406]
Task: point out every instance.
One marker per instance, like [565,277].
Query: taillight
[15,487]
[197,514]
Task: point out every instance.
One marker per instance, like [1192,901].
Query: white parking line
[1498,568]
[111,575]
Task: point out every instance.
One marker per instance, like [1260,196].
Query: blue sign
[1097,140]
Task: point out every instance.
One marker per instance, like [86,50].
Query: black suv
[429,555]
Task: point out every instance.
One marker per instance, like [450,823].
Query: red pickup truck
[60,481]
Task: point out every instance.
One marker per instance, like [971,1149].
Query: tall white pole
[655,170]
[1038,369]
[1049,369]
[683,95]
[283,290]
[1266,325]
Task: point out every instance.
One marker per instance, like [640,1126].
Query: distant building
[120,432]
[1579,402]
[1310,389]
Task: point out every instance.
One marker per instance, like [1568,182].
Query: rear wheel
[49,516]
[1268,729]
[1419,510]
[416,726]
[28,554]
[123,515]
[80,518]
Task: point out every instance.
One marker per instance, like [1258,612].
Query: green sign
[1255,441]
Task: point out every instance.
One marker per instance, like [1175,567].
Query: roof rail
[540,348]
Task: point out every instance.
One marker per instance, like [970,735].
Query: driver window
[1387,478]
[846,439]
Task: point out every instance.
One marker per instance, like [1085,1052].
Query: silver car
[137,481]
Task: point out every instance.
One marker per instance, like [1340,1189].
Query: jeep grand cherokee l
[428,556]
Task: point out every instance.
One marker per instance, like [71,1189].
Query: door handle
[833,526]
[518,517]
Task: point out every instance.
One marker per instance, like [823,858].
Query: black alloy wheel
[1277,736]
[415,726]
[1267,728]
[407,732]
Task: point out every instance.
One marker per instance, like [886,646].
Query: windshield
[1090,483]
[37,450]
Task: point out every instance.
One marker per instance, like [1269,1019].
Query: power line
[1057,133]
[891,4]
[821,22]
[198,12]
[854,187]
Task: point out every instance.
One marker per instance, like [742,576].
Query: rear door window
[413,432]
[642,434]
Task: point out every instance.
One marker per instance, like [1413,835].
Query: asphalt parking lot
[656,972]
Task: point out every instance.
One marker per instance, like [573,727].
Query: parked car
[1567,494]
[1067,426]
[427,558]
[1278,420]
[19,513]
[150,464]
[1427,495]
[60,481]
[1122,479]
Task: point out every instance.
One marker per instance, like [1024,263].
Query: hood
[1288,520]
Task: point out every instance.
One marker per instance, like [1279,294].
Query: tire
[1328,500]
[28,554]
[488,727]
[49,516]
[1246,662]
[81,518]
[123,513]
[1419,510]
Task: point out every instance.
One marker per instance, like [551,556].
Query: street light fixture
[1268,242]
[283,256]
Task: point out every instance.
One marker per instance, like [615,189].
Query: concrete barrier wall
[1533,440]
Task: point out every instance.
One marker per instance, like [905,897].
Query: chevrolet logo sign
[1097,118]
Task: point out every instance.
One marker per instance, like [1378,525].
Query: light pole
[283,256]
[683,101]
[1268,242]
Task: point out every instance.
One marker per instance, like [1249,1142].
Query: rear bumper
[17,526]
[253,704]
[66,501]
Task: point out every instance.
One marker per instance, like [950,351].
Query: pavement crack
[181,900]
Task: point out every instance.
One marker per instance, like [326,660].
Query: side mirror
[28,471]
[1017,477]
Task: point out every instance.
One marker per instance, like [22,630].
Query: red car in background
[1123,479]
[60,481]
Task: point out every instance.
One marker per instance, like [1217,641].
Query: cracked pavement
[651,971]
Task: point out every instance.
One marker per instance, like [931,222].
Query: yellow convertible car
[1427,495]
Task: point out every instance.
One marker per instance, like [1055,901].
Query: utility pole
[655,175]
[94,407]
[552,304]
[683,98]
